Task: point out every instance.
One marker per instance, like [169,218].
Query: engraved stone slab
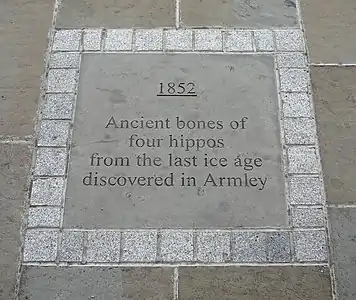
[181,141]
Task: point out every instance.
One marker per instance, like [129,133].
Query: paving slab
[335,109]
[330,30]
[239,13]
[82,283]
[24,27]
[159,141]
[250,283]
[343,245]
[15,161]
[116,13]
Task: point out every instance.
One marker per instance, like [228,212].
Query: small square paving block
[305,190]
[61,81]
[51,161]
[47,191]
[249,247]
[71,248]
[176,245]
[139,246]
[83,283]
[116,14]
[53,133]
[239,13]
[44,217]
[310,245]
[41,245]
[58,106]
[250,283]
[103,246]
[213,246]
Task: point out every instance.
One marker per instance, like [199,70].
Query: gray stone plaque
[176,141]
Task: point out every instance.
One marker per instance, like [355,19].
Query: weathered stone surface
[147,283]
[335,105]
[15,161]
[343,245]
[83,283]
[240,13]
[227,89]
[116,13]
[64,283]
[330,30]
[250,283]
[24,26]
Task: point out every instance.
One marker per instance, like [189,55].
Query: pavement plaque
[165,146]
[175,141]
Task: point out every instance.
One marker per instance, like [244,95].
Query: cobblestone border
[302,242]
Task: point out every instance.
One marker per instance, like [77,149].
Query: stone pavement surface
[181,150]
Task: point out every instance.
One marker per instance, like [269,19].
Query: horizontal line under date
[164,95]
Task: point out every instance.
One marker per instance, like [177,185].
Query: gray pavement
[184,218]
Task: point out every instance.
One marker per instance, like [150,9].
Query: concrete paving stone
[278,247]
[149,40]
[139,246]
[67,40]
[251,283]
[343,242]
[92,39]
[291,60]
[147,283]
[330,30]
[179,40]
[116,14]
[24,27]
[53,133]
[305,190]
[15,162]
[83,283]
[264,40]
[67,283]
[40,245]
[47,191]
[249,246]
[238,40]
[294,80]
[61,81]
[310,245]
[103,246]
[308,216]
[335,111]
[302,160]
[213,246]
[71,248]
[296,105]
[176,245]
[58,106]
[299,131]
[208,40]
[118,40]
[44,217]
[64,60]
[240,13]
[51,161]
[289,40]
